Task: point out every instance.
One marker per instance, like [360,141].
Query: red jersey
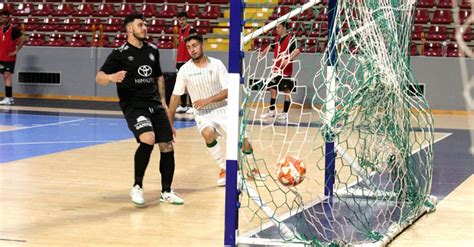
[7,44]
[183,54]
[282,50]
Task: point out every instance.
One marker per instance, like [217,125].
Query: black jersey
[139,87]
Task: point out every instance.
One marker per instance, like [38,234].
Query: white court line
[311,204]
[43,125]
[57,142]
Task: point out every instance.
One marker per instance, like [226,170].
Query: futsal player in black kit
[135,68]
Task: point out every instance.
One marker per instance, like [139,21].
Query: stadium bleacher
[50,22]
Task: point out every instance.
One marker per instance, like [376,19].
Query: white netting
[367,106]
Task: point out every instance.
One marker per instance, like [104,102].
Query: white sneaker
[181,109]
[221,179]
[269,114]
[7,101]
[282,116]
[171,197]
[137,195]
[191,110]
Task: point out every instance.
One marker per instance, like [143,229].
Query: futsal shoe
[282,116]
[221,179]
[256,175]
[269,114]
[171,198]
[137,196]
[182,109]
[7,101]
[191,110]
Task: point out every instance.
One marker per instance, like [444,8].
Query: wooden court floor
[80,197]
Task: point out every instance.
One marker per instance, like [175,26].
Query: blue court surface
[30,134]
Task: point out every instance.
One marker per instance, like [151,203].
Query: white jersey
[202,83]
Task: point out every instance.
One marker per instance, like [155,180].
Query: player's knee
[208,134]
[166,147]
[147,138]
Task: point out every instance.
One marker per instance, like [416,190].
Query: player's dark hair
[197,37]
[284,24]
[131,17]
[182,14]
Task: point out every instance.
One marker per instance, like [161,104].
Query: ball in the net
[291,171]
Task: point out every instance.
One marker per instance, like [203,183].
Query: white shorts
[218,122]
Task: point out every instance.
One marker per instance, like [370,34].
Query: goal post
[366,142]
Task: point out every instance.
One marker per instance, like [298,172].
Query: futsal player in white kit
[205,79]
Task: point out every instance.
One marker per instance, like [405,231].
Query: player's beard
[138,37]
[201,54]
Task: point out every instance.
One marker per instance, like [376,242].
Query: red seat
[191,10]
[89,23]
[422,16]
[445,4]
[202,27]
[453,50]
[220,1]
[56,39]
[310,45]
[171,28]
[322,15]
[197,1]
[53,1]
[297,28]
[168,11]
[149,10]
[35,39]
[7,6]
[308,15]
[44,9]
[77,40]
[118,40]
[126,9]
[100,40]
[156,26]
[319,29]
[165,42]
[432,49]
[48,24]
[466,34]
[442,17]
[261,43]
[426,3]
[437,33]
[211,12]
[113,25]
[414,50]
[279,11]
[84,9]
[288,2]
[417,32]
[465,4]
[30,23]
[24,9]
[63,10]
[70,25]
[105,9]
[463,15]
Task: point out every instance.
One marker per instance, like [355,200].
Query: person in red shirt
[183,56]
[285,51]
[12,41]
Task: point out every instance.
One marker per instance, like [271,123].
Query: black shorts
[281,83]
[8,66]
[141,120]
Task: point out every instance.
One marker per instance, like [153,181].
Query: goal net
[355,118]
